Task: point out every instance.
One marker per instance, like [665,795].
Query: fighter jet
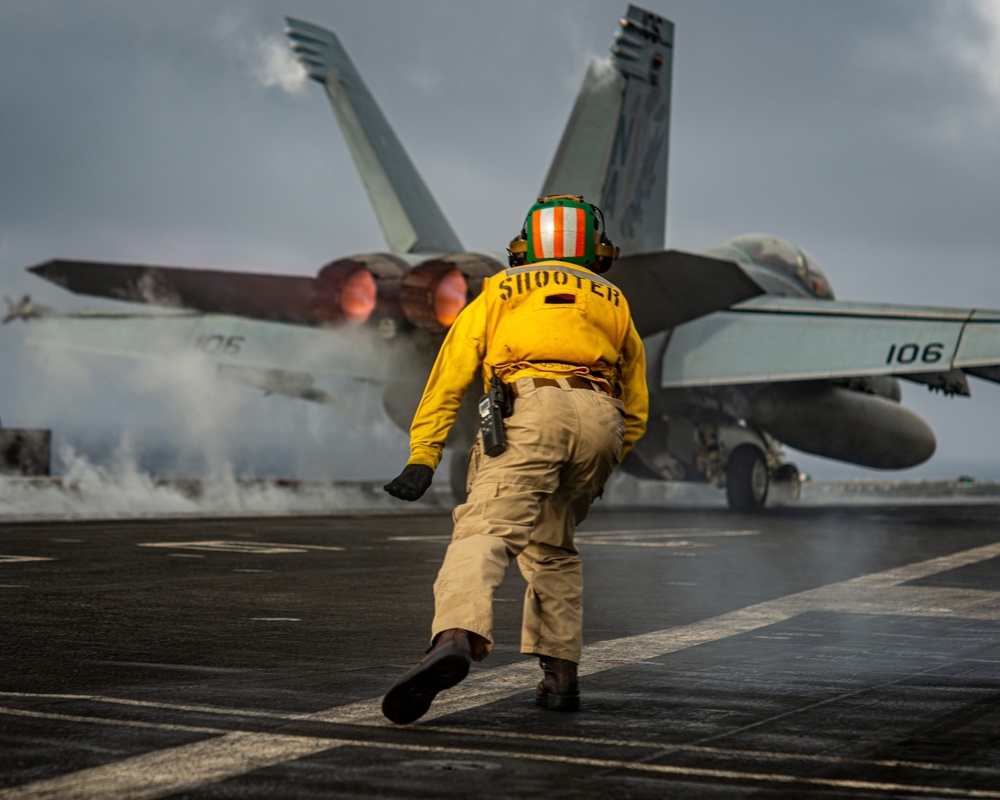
[747,347]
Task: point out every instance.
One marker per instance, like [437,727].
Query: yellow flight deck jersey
[549,319]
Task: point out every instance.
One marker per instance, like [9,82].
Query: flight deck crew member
[561,338]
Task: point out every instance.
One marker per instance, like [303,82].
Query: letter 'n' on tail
[410,218]
[614,148]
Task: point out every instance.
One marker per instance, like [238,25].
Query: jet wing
[773,339]
[274,357]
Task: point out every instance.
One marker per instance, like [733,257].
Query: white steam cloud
[274,65]
[268,59]
[121,489]
[164,435]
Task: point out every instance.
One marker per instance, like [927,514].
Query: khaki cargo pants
[562,445]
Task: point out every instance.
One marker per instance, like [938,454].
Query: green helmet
[565,228]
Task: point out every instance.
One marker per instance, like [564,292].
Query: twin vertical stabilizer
[613,150]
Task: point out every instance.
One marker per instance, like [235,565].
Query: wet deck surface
[829,653]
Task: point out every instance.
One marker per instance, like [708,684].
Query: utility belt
[571,381]
[498,403]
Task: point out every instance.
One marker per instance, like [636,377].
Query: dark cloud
[864,131]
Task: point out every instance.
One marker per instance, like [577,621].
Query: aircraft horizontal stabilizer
[665,289]
[779,339]
[277,298]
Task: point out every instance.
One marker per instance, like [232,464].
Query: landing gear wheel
[788,483]
[746,479]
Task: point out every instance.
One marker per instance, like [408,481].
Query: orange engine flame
[358,296]
[450,296]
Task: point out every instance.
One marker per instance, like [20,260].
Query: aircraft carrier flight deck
[846,651]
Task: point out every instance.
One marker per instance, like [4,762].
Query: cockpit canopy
[779,255]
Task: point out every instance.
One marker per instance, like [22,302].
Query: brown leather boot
[445,665]
[559,689]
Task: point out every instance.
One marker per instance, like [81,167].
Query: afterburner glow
[358,296]
[450,296]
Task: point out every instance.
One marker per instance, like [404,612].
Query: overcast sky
[866,131]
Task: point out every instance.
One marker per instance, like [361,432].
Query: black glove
[411,483]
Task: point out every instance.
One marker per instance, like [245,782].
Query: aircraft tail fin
[614,147]
[410,217]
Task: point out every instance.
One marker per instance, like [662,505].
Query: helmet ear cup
[606,252]
[517,250]
[604,249]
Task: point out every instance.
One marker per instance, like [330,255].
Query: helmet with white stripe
[565,228]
